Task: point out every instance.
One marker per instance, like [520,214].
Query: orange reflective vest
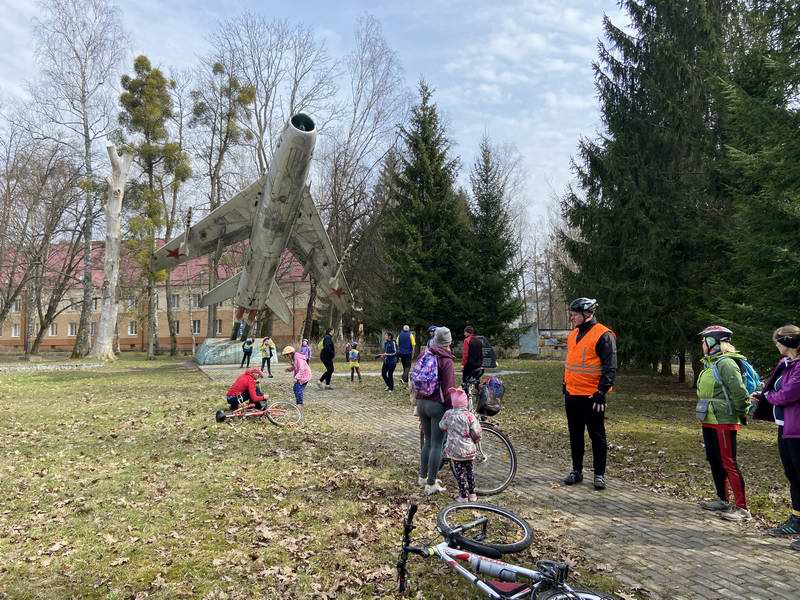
[583,366]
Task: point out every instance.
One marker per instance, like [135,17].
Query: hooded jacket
[446,375]
[245,382]
[788,397]
[723,410]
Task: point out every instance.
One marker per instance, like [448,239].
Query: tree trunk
[151,317]
[697,366]
[312,299]
[682,366]
[173,337]
[82,340]
[666,366]
[107,327]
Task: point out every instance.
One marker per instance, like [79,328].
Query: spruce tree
[494,243]
[643,224]
[426,230]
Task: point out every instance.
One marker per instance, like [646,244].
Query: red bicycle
[282,414]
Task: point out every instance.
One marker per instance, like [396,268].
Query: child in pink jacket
[301,370]
[463,433]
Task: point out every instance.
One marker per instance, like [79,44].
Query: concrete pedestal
[221,351]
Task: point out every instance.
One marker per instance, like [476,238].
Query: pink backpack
[425,374]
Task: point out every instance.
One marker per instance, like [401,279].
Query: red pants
[721,455]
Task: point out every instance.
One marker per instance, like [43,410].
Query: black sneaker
[573,478]
[599,482]
[795,545]
[790,527]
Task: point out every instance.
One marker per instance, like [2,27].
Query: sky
[518,70]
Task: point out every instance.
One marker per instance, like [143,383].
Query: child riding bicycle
[246,390]
[463,432]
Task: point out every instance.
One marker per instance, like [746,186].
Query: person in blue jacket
[389,356]
[405,350]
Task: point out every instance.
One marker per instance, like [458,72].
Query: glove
[598,401]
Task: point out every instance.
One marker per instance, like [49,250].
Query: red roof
[289,270]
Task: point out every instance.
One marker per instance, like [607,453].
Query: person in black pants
[326,356]
[389,356]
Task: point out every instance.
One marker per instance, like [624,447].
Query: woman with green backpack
[721,408]
[327,352]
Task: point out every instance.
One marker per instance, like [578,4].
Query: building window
[15,330]
[196,326]
[73,329]
[219,326]
[176,325]
[196,300]
[74,305]
[175,301]
[131,327]
[131,303]
[53,330]
[93,328]
[17,306]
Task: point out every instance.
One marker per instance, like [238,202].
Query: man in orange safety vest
[589,373]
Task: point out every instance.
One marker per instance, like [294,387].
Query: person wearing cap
[302,372]
[463,433]
[431,331]
[405,350]
[589,373]
[246,389]
[780,402]
[431,409]
[247,352]
[268,350]
[722,408]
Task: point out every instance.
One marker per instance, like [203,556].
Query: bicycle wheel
[575,594]
[503,530]
[496,463]
[284,414]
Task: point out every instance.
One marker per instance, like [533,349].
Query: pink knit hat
[457,397]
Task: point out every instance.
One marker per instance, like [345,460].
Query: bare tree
[80,45]
[104,341]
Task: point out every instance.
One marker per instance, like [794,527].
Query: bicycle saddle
[462,543]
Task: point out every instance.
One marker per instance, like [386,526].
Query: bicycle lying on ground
[278,413]
[481,550]
[496,463]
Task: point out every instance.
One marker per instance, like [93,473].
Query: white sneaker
[434,489]
[329,387]
[422,481]
[736,514]
[319,385]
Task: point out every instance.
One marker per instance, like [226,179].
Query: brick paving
[669,548]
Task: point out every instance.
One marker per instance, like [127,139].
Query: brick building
[188,284]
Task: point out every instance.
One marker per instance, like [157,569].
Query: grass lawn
[654,437]
[117,483]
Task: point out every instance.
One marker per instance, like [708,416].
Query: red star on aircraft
[338,292]
[176,254]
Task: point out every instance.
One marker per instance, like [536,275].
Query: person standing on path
[305,350]
[780,402]
[471,353]
[721,408]
[301,373]
[247,352]
[431,409]
[354,356]
[589,372]
[326,356]
[389,356]
[463,432]
[405,350]
[431,331]
[268,350]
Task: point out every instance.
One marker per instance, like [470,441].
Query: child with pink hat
[463,432]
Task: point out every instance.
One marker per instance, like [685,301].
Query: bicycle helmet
[432,329]
[583,305]
[715,334]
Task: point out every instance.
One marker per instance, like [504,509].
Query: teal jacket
[722,410]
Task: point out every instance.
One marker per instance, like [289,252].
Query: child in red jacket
[245,389]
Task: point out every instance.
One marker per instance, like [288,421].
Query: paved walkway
[668,547]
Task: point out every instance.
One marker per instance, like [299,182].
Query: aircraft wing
[312,247]
[230,223]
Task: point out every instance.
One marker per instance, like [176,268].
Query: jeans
[246,357]
[406,360]
[387,372]
[299,392]
[430,413]
[267,360]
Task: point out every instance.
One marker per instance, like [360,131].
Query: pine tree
[494,250]
[426,231]
[644,221]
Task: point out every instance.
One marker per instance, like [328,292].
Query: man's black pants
[581,416]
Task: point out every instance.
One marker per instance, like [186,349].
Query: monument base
[220,351]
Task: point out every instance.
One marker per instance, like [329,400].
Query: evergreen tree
[426,232]
[644,224]
[495,248]
[146,108]
[762,127]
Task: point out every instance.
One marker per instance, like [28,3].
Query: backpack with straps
[425,374]
[750,378]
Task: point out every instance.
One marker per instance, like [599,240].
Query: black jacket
[606,349]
